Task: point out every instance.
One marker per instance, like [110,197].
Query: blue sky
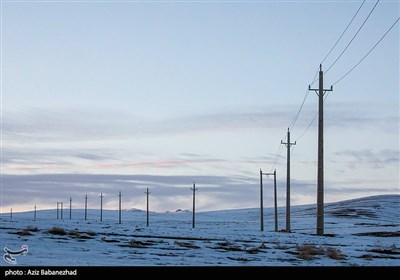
[109,96]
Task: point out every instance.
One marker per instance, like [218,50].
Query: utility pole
[120,195]
[261,202]
[62,208]
[288,145]
[147,206]
[275,203]
[101,207]
[70,208]
[85,207]
[57,209]
[194,203]
[34,214]
[275,200]
[320,180]
[11,214]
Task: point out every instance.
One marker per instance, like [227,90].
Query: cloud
[21,192]
[77,125]
[366,157]
[44,188]
[362,116]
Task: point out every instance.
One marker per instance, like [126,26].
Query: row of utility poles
[320,91]
[60,207]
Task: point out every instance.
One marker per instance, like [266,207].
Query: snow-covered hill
[361,231]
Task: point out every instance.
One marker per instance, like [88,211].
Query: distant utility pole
[62,208]
[261,201]
[275,200]
[194,203]
[11,214]
[147,206]
[320,181]
[70,208]
[288,145]
[34,213]
[85,207]
[275,203]
[101,207]
[57,209]
[120,195]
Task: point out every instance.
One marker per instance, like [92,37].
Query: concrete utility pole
[320,181]
[70,208]
[85,207]
[275,203]
[120,195]
[62,208]
[34,214]
[11,214]
[194,203]
[101,207]
[288,145]
[57,209]
[147,206]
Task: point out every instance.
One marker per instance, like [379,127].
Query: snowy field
[359,232]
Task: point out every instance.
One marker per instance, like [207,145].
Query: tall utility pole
[120,195]
[288,145]
[62,208]
[101,207]
[320,181]
[275,200]
[70,208]
[85,207]
[57,209]
[194,203]
[34,214]
[11,214]
[261,202]
[147,206]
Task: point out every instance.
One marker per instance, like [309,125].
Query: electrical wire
[301,106]
[352,39]
[384,35]
[347,27]
[278,154]
[312,121]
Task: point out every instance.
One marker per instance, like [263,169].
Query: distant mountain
[178,211]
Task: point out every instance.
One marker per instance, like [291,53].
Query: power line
[352,39]
[384,35]
[302,104]
[342,33]
[327,55]
[298,113]
[312,121]
[278,154]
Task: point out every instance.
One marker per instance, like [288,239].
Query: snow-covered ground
[359,232]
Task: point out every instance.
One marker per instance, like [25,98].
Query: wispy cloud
[47,189]
[167,192]
[372,159]
[45,125]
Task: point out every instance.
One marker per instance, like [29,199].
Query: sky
[108,96]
